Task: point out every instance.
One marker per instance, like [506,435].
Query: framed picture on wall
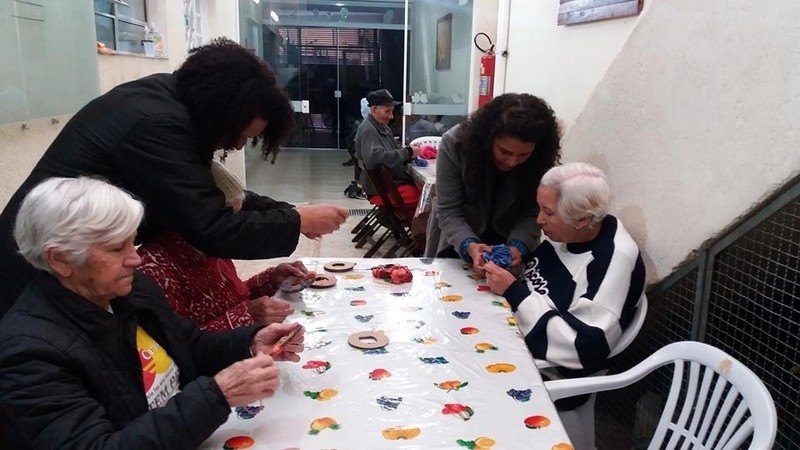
[444,41]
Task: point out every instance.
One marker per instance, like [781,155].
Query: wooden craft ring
[294,284]
[323,281]
[368,340]
[339,266]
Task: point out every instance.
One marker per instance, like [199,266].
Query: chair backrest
[427,140]
[625,340]
[714,402]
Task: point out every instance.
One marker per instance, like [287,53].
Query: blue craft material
[420,162]
[500,255]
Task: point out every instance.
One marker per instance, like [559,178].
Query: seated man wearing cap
[375,146]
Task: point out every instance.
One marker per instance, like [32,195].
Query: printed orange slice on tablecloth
[379,374]
[501,368]
[502,304]
[562,446]
[397,433]
[481,443]
[322,423]
[353,276]
[469,330]
[323,395]
[451,298]
[451,385]
[482,347]
[536,422]
[441,284]
[238,442]
[512,320]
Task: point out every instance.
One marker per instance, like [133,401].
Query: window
[121,24]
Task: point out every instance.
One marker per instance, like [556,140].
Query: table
[425,179]
[455,374]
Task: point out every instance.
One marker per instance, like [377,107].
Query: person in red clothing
[208,290]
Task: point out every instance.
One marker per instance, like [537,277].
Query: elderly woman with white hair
[90,353]
[585,280]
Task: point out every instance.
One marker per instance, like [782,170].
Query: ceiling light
[274,16]
[256,1]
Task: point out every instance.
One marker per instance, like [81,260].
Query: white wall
[22,148]
[561,64]
[694,120]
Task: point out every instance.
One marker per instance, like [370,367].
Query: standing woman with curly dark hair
[487,172]
[156,136]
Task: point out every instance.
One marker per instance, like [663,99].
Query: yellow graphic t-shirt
[159,372]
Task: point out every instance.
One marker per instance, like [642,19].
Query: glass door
[328,55]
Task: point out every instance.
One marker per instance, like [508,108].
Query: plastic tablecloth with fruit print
[455,375]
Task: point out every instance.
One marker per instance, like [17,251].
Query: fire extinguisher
[486,86]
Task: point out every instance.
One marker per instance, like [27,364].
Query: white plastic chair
[626,339]
[427,140]
[723,402]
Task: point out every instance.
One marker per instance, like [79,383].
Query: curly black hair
[522,116]
[225,86]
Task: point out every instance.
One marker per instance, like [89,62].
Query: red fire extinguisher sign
[486,80]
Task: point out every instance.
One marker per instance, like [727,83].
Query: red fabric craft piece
[428,152]
[395,274]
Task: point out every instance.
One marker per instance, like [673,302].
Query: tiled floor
[311,176]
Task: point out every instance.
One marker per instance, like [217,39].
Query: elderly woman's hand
[267,310]
[249,380]
[497,278]
[285,270]
[268,340]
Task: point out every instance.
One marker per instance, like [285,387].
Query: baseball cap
[381,97]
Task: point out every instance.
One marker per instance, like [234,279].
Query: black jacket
[70,375]
[139,137]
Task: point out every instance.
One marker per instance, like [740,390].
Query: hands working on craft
[266,309]
[477,251]
[497,278]
[256,378]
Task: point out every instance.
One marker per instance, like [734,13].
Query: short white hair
[581,189]
[71,215]
[227,182]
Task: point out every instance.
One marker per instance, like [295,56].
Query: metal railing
[741,293]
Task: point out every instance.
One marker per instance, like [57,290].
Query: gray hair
[582,189]
[71,215]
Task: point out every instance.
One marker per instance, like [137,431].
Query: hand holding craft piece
[294,284]
[500,255]
[394,274]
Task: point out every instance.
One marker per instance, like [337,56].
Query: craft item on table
[339,266]
[278,347]
[419,162]
[395,274]
[368,340]
[294,284]
[323,281]
[500,255]
[428,152]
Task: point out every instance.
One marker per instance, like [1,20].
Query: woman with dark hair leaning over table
[487,171]
[208,290]
[91,356]
[582,286]
[156,136]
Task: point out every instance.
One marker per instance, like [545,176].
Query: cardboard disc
[323,281]
[339,266]
[368,340]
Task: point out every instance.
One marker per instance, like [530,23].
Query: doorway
[328,56]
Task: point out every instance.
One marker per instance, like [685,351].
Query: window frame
[116,18]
